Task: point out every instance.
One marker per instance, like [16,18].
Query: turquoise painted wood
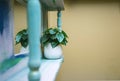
[34,31]
[59,20]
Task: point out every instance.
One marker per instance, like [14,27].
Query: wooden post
[34,31]
[6,29]
[59,20]
[44,18]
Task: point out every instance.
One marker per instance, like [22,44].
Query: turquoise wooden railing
[59,20]
[34,12]
[34,31]
[34,24]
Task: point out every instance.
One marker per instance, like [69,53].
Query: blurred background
[93,27]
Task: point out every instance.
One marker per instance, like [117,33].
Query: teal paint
[59,20]
[34,33]
[9,63]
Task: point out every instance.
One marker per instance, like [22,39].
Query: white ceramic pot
[53,53]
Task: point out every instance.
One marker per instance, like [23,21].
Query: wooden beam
[48,4]
[51,6]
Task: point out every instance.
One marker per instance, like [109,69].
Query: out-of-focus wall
[19,21]
[93,51]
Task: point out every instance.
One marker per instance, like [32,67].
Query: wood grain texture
[59,19]
[34,33]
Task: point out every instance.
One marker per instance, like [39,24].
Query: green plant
[54,1]
[22,38]
[55,36]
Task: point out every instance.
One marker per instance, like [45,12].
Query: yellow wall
[93,51]
[19,21]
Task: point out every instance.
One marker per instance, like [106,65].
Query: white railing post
[34,31]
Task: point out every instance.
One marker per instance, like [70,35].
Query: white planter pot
[53,53]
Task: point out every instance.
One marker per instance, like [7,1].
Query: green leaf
[60,37]
[24,43]
[54,44]
[16,42]
[51,31]
[64,42]
[47,31]
[18,37]
[23,34]
[44,38]
[53,37]
[64,34]
[24,37]
[54,1]
[45,43]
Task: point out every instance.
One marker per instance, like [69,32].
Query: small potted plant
[52,40]
[22,38]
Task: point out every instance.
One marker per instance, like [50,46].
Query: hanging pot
[53,53]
